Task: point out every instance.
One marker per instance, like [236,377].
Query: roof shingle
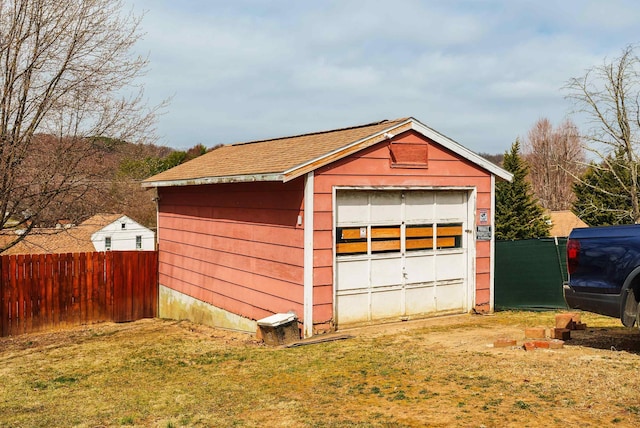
[270,156]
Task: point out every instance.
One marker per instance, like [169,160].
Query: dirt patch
[434,372]
[608,338]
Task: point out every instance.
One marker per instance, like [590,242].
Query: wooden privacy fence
[45,291]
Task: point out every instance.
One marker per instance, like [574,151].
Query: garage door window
[419,237]
[388,239]
[351,240]
[385,239]
[449,235]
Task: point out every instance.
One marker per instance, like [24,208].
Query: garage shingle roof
[270,156]
[283,159]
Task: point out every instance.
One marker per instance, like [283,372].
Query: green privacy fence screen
[529,274]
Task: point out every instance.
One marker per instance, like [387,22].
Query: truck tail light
[573,251]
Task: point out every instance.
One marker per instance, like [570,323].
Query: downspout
[308,254]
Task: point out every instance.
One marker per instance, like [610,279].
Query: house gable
[397,135]
[379,162]
[123,233]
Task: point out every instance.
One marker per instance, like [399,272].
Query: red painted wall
[372,167]
[235,246]
[239,247]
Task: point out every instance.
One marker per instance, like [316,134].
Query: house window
[123,226]
[107,243]
[138,242]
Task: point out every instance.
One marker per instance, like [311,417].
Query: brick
[560,333]
[564,321]
[504,343]
[534,333]
[542,344]
[529,346]
[556,344]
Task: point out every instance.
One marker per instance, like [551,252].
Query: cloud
[320,75]
[479,72]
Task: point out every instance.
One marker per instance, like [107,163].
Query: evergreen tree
[602,196]
[518,213]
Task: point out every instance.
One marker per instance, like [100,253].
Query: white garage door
[400,253]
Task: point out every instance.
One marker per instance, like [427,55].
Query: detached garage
[384,221]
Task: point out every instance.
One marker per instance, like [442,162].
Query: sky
[480,72]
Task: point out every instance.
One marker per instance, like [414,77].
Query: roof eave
[248,178]
[462,151]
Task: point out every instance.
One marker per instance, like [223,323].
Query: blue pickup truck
[604,271]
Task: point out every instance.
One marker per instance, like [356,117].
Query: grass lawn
[438,372]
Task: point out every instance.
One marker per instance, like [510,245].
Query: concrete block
[279,329]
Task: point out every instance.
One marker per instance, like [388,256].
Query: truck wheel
[630,313]
[638,316]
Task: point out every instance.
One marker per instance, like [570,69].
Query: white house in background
[121,234]
[102,232]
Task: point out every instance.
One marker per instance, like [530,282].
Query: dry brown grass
[439,372]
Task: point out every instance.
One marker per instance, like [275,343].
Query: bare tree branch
[555,158]
[67,74]
[608,94]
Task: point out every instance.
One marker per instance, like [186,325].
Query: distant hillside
[113,170]
[495,159]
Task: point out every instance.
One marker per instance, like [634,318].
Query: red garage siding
[236,246]
[240,246]
[372,167]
